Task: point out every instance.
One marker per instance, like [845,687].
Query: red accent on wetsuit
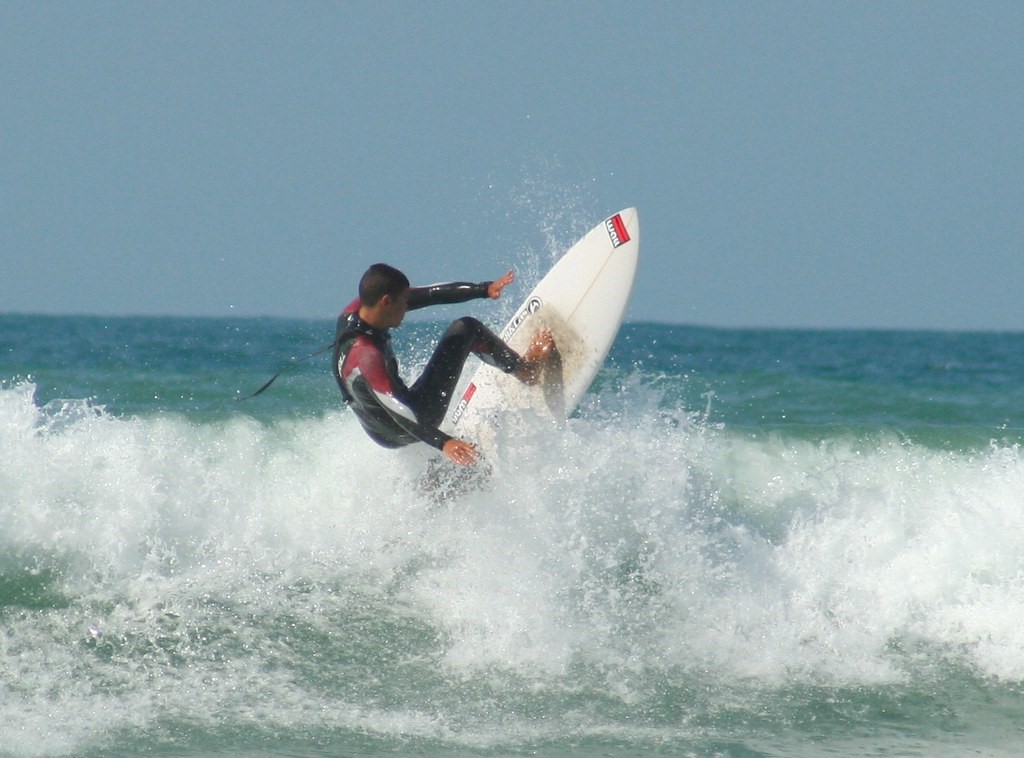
[367,371]
[366,357]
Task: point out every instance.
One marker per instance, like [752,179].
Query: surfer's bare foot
[536,356]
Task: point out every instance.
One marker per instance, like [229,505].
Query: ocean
[743,543]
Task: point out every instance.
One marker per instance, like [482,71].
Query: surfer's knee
[465,326]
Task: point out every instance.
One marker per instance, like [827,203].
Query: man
[366,369]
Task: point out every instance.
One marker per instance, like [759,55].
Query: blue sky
[807,164]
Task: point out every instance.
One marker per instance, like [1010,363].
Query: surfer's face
[395,308]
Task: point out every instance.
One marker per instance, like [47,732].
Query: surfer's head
[384,296]
[381,279]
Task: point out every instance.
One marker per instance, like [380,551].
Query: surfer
[366,369]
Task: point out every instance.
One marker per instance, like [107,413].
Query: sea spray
[666,572]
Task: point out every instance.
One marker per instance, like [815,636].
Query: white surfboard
[582,301]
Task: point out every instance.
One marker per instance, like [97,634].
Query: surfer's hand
[462,453]
[495,287]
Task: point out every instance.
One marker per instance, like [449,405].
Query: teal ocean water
[744,543]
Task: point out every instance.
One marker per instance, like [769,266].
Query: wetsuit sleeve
[371,387]
[447,293]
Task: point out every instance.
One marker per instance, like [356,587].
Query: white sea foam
[160,570]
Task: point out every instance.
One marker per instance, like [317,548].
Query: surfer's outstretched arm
[450,293]
[494,288]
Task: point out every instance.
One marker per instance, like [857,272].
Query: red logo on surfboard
[617,230]
[470,390]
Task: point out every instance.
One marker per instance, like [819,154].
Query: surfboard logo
[617,231]
[532,306]
[461,407]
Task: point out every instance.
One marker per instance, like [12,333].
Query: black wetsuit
[366,369]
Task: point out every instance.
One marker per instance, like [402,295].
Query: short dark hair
[379,280]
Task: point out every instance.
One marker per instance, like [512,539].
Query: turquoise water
[779,543]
